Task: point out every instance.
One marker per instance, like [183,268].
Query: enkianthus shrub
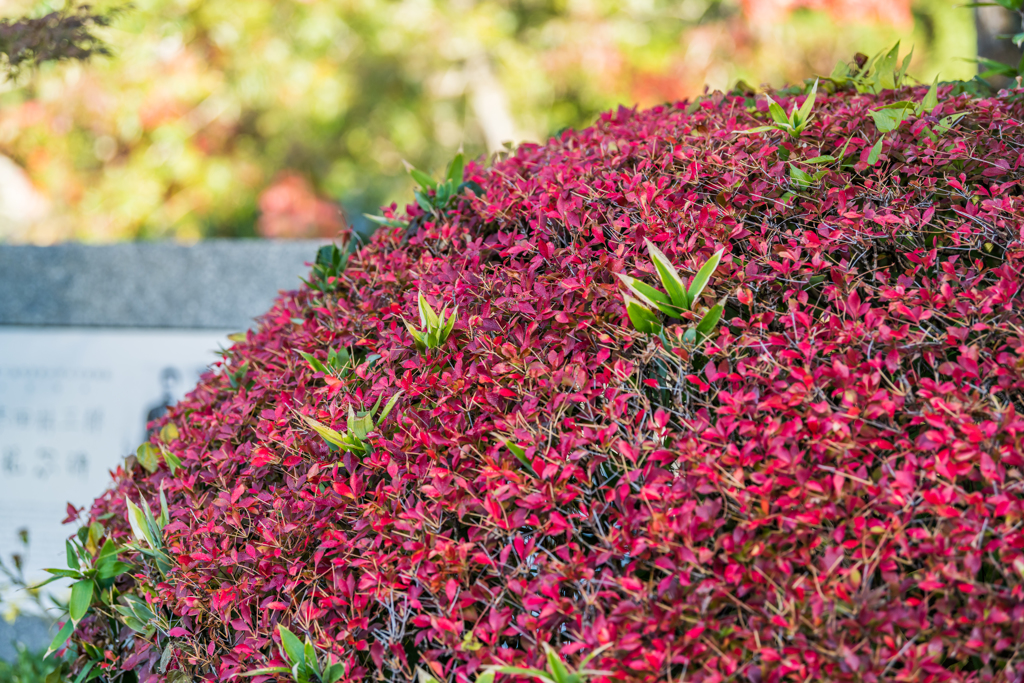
[828,485]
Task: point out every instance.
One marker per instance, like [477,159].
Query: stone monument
[95,341]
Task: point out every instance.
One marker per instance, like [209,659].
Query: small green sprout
[148,531]
[676,298]
[516,450]
[329,265]
[434,329]
[443,192]
[137,615]
[339,362]
[359,426]
[803,179]
[557,671]
[795,122]
[434,196]
[889,117]
[876,74]
[305,664]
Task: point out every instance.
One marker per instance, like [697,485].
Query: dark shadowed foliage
[67,34]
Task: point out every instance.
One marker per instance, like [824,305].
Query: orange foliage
[291,209]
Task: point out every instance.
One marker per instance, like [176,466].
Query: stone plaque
[94,341]
[73,403]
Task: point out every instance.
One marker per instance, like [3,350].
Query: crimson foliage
[831,488]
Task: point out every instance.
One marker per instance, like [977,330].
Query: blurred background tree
[248,117]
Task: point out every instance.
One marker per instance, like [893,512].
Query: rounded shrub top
[827,485]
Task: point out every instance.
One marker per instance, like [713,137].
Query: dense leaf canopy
[830,488]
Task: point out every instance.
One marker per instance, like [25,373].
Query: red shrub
[831,490]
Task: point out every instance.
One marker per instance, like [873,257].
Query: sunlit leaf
[428,319]
[267,671]
[173,461]
[887,68]
[876,152]
[315,364]
[169,432]
[670,279]
[889,117]
[388,406]
[931,98]
[329,435]
[654,298]
[710,319]
[425,181]
[804,114]
[139,525]
[777,113]
[62,637]
[903,68]
[455,169]
[292,646]
[148,456]
[81,599]
[700,280]
[519,671]
[643,319]
[424,677]
[555,664]
[380,220]
[517,451]
[448,326]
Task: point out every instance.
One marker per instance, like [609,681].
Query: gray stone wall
[214,284]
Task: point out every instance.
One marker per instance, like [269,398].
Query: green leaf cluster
[884,71]
[94,575]
[643,300]
[434,196]
[803,179]
[149,455]
[306,663]
[434,329]
[340,362]
[792,123]
[236,377]
[137,616]
[889,117]
[997,68]
[148,530]
[330,263]
[424,677]
[360,425]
